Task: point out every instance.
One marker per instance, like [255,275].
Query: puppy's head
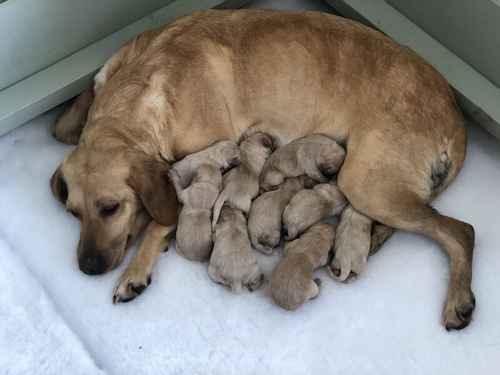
[113,193]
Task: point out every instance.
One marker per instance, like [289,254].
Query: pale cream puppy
[194,229]
[292,281]
[241,185]
[223,154]
[353,244]
[233,262]
[316,156]
[264,221]
[310,206]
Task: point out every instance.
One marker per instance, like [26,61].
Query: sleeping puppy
[264,221]
[241,184]
[223,154]
[310,206]
[315,156]
[233,262]
[354,243]
[194,229]
[292,281]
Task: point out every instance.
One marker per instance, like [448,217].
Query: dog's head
[114,192]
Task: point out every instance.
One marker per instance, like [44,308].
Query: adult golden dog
[222,74]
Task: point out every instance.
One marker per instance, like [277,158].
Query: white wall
[37,33]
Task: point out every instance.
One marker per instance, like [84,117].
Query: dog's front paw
[130,285]
[458,311]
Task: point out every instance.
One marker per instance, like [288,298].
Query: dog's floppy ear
[58,186]
[149,179]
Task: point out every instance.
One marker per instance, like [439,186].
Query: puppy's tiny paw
[130,286]
[346,267]
[255,284]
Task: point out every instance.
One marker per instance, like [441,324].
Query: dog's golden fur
[219,74]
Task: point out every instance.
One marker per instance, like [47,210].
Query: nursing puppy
[315,156]
[310,206]
[241,184]
[223,154]
[292,281]
[264,221]
[233,262]
[194,229]
[357,238]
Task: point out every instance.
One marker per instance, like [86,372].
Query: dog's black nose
[92,265]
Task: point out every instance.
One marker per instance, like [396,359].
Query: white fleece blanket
[34,338]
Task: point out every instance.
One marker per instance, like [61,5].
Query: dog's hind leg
[389,184]
[68,127]
[137,276]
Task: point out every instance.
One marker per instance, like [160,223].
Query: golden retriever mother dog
[219,75]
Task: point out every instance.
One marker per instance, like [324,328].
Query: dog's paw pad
[129,288]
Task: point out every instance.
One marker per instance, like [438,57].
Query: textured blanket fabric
[34,338]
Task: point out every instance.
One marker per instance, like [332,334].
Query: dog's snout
[92,265]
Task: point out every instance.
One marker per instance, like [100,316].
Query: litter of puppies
[223,215]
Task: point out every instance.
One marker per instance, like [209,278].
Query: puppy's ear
[149,179]
[58,186]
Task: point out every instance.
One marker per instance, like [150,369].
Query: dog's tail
[219,203]
[449,161]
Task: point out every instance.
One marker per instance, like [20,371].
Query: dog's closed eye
[74,213]
[109,209]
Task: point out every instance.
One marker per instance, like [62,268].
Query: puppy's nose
[92,265]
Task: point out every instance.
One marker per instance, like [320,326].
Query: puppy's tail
[221,199]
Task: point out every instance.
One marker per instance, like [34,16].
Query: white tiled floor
[55,320]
